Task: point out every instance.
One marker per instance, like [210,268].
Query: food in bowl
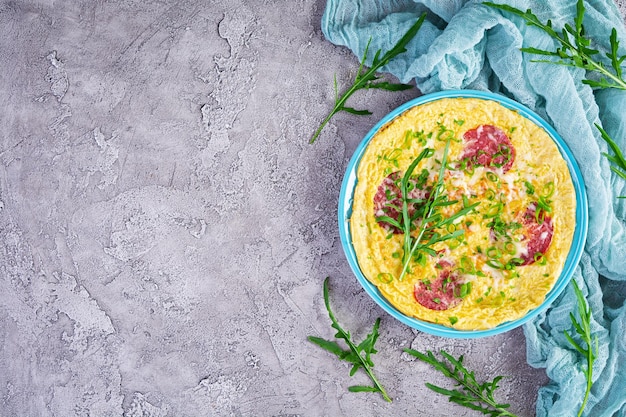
[489,205]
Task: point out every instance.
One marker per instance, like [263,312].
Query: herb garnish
[468,392]
[432,227]
[358,354]
[583,329]
[369,79]
[575,50]
[618,160]
[544,203]
[578,53]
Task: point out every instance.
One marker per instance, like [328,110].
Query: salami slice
[538,231]
[441,294]
[488,146]
[388,200]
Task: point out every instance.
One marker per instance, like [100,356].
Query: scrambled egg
[484,275]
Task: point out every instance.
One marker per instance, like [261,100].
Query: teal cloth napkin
[466,45]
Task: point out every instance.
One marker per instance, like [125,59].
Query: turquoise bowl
[578,242]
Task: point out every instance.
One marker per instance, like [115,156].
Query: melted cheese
[497,295]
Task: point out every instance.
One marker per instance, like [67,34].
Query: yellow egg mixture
[492,285]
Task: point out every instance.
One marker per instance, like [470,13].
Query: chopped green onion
[540,258]
[492,177]
[455,243]
[548,189]
[493,252]
[385,277]
[516,261]
[494,210]
[510,248]
[465,289]
[469,169]
[495,264]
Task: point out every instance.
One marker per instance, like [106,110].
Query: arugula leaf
[468,392]
[583,329]
[358,355]
[368,79]
[618,160]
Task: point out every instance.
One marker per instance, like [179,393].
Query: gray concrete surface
[165,228]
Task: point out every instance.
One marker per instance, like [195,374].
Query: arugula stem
[618,160]
[365,80]
[619,83]
[340,103]
[468,393]
[580,53]
[586,59]
[335,110]
[583,328]
[590,359]
[354,347]
[353,355]
[377,384]
[412,245]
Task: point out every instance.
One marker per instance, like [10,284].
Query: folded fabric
[468,45]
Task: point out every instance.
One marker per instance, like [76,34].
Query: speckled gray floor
[165,228]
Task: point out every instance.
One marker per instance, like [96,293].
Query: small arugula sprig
[358,354]
[575,49]
[432,225]
[618,160]
[366,79]
[583,329]
[469,392]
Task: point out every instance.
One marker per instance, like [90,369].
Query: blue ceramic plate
[580,232]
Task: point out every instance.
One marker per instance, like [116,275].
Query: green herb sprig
[618,160]
[366,79]
[575,49]
[583,329]
[431,226]
[358,354]
[469,392]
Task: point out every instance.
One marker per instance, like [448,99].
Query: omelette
[488,204]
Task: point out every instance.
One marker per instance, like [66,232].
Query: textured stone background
[165,228]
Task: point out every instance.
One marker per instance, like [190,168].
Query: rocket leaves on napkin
[583,329]
[575,50]
[618,160]
[368,79]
